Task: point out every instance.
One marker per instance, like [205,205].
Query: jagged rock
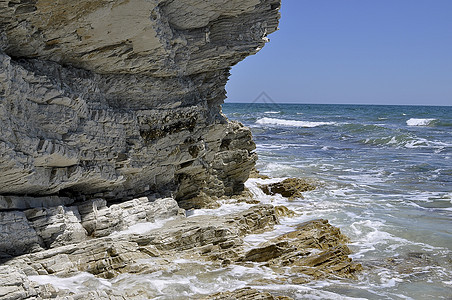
[57,226]
[17,236]
[316,249]
[246,294]
[109,256]
[97,108]
[282,211]
[200,201]
[38,228]
[117,100]
[101,220]
[290,188]
[14,284]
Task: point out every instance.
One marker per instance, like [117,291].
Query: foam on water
[386,185]
[419,122]
[294,123]
[227,207]
[76,284]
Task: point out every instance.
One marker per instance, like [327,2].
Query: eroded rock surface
[246,294]
[42,228]
[290,188]
[184,245]
[118,99]
[315,248]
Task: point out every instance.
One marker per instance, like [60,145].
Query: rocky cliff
[112,100]
[117,99]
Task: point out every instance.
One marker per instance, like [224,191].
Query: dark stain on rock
[25,9]
[193,150]
[160,132]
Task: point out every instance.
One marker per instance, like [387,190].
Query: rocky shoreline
[312,250]
[112,136]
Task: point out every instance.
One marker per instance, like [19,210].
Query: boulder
[290,188]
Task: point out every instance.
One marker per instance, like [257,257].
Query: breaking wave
[420,122]
[291,123]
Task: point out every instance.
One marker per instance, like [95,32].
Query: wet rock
[316,249]
[282,211]
[246,294]
[290,188]
[313,250]
[266,253]
[411,265]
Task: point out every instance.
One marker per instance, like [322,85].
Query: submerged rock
[290,188]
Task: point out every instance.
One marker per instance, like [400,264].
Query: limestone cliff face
[116,99]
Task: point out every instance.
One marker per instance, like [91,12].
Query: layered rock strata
[42,228]
[185,246]
[117,99]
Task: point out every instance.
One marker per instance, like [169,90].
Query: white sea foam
[225,209]
[291,123]
[75,284]
[272,112]
[419,122]
[280,170]
[417,143]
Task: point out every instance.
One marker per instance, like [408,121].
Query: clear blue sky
[353,51]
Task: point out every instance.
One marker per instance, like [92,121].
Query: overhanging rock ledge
[118,99]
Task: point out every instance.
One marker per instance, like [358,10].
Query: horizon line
[310,103]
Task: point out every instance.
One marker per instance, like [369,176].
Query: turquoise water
[387,183]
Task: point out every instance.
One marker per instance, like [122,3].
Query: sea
[386,174]
[384,177]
